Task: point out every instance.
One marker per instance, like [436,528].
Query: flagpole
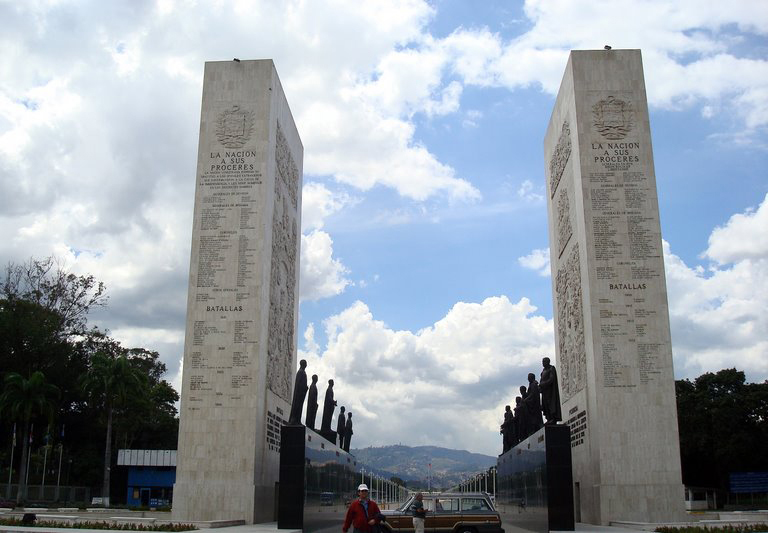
[29,456]
[45,465]
[58,475]
[61,452]
[10,468]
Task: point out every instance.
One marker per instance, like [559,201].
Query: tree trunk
[22,487]
[107,459]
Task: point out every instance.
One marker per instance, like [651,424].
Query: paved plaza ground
[272,528]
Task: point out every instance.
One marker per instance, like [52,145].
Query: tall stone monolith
[242,308]
[610,300]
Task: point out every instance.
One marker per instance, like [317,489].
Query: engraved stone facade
[613,118]
[613,344]
[559,158]
[564,227]
[242,297]
[234,127]
[283,277]
[570,327]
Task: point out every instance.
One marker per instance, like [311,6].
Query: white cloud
[745,236]
[318,202]
[474,358]
[526,192]
[468,365]
[719,315]
[99,111]
[687,54]
[471,118]
[686,49]
[321,275]
[537,260]
[719,319]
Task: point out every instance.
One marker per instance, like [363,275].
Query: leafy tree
[43,312]
[44,328]
[65,296]
[723,425]
[111,381]
[22,399]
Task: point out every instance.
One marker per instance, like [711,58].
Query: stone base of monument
[329,435]
[535,482]
[317,479]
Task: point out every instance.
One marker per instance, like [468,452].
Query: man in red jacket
[362,513]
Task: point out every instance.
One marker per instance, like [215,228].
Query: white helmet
[362,486]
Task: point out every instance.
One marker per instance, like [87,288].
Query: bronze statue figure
[299,391]
[550,394]
[312,404]
[328,407]
[521,415]
[517,421]
[533,405]
[341,426]
[506,429]
[347,432]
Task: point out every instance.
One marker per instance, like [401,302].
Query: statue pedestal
[535,485]
[307,499]
[329,435]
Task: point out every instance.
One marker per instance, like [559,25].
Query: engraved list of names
[228,192]
[621,215]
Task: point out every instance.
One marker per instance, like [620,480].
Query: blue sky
[425,285]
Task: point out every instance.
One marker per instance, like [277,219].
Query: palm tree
[110,381]
[22,399]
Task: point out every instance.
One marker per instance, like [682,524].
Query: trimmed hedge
[99,525]
[746,528]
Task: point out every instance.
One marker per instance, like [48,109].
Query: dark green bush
[746,528]
[100,525]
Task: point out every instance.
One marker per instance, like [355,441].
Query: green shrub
[100,525]
[746,528]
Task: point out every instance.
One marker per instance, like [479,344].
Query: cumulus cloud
[99,115]
[319,202]
[321,275]
[537,260]
[719,314]
[688,55]
[467,365]
[744,236]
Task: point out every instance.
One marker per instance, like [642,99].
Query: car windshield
[406,504]
[429,503]
[451,503]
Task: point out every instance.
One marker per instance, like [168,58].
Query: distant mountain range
[411,464]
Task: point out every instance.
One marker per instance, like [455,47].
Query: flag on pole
[31,431]
[14,435]
[62,431]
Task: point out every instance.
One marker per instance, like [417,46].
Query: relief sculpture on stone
[559,158]
[234,126]
[283,271]
[570,326]
[564,227]
[613,118]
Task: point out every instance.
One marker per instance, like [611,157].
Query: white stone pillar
[614,356]
[242,307]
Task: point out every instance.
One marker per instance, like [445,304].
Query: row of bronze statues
[540,397]
[344,425]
